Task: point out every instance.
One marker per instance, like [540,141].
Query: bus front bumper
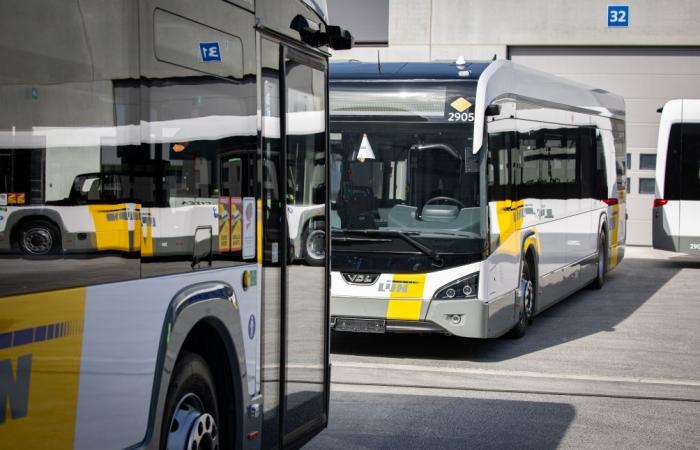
[465,318]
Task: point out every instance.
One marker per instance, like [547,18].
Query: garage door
[647,78]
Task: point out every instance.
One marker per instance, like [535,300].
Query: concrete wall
[423,30]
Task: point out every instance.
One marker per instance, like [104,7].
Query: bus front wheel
[191,414]
[39,238]
[526,290]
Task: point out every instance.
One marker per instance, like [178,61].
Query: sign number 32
[618,16]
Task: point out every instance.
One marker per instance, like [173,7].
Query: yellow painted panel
[407,286]
[147,221]
[46,332]
[112,226]
[403,309]
[615,234]
[510,219]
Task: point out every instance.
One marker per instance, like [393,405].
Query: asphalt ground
[615,368]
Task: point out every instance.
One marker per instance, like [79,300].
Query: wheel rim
[316,244]
[37,241]
[192,428]
[528,298]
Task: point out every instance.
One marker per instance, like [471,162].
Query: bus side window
[588,162]
[498,166]
[600,183]
[690,175]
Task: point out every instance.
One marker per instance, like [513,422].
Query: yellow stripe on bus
[403,309]
[615,232]
[510,219]
[43,356]
[112,226]
[404,287]
[408,286]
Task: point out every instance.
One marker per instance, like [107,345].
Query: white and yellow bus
[676,213]
[467,197]
[147,299]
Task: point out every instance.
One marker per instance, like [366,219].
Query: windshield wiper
[405,235]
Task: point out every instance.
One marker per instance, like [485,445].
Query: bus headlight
[466,287]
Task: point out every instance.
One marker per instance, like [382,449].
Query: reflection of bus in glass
[107,212]
[676,212]
[135,229]
[305,206]
[469,197]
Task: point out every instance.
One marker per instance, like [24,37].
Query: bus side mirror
[310,33]
[493,110]
[339,39]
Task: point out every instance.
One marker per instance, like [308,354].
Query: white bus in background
[470,196]
[676,213]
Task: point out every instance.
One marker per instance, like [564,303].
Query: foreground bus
[466,198]
[146,294]
[676,213]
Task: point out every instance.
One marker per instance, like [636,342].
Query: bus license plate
[361,325]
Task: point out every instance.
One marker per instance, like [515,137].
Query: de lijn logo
[15,388]
[210,51]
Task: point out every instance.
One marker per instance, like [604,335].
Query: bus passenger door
[305,315]
[295,370]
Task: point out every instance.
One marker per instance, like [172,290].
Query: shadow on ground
[584,313]
[389,421]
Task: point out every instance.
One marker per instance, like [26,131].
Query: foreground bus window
[145,293]
[465,214]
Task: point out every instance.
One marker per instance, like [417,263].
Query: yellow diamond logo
[461,104]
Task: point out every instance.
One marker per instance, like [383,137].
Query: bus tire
[528,292]
[37,238]
[191,413]
[313,244]
[601,265]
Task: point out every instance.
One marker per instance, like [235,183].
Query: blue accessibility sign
[618,16]
[209,51]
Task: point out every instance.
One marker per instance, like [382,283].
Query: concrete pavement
[611,368]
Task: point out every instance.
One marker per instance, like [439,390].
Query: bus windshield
[405,167]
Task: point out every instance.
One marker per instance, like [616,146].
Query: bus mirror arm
[493,110]
[334,36]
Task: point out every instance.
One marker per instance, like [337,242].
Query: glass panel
[647,161]
[647,185]
[200,155]
[672,181]
[63,220]
[306,292]
[435,102]
[410,173]
[273,244]
[690,167]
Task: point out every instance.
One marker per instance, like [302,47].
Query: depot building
[646,50]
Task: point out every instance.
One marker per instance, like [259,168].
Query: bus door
[305,316]
[295,372]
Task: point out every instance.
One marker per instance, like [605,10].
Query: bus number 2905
[460,117]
